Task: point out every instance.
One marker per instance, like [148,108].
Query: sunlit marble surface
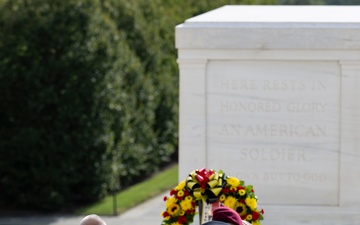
[269,94]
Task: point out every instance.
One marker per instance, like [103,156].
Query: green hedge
[67,84]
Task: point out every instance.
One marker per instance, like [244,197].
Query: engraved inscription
[306,107]
[272,85]
[274,130]
[249,106]
[273,154]
[276,124]
[286,85]
[272,107]
[285,176]
[238,85]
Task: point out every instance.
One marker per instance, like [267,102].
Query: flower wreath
[207,186]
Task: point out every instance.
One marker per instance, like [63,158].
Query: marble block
[270,94]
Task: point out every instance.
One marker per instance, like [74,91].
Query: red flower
[165,198]
[262,211]
[255,215]
[186,193]
[225,190]
[173,192]
[165,214]
[182,219]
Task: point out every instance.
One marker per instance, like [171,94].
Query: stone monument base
[310,215]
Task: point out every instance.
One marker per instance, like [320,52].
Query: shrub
[63,66]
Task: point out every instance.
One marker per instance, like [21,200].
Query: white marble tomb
[271,95]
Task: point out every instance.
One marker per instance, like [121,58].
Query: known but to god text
[285,176]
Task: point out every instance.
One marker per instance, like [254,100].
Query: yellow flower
[230,202]
[251,202]
[175,223]
[180,193]
[242,192]
[173,209]
[181,185]
[185,205]
[233,182]
[167,218]
[182,212]
[170,201]
[249,217]
[241,209]
[256,222]
[222,198]
[188,198]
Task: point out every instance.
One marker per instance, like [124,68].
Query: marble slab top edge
[277,16]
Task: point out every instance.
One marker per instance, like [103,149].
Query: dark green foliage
[62,69]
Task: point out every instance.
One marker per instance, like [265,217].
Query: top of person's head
[215,223]
[92,219]
[227,215]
